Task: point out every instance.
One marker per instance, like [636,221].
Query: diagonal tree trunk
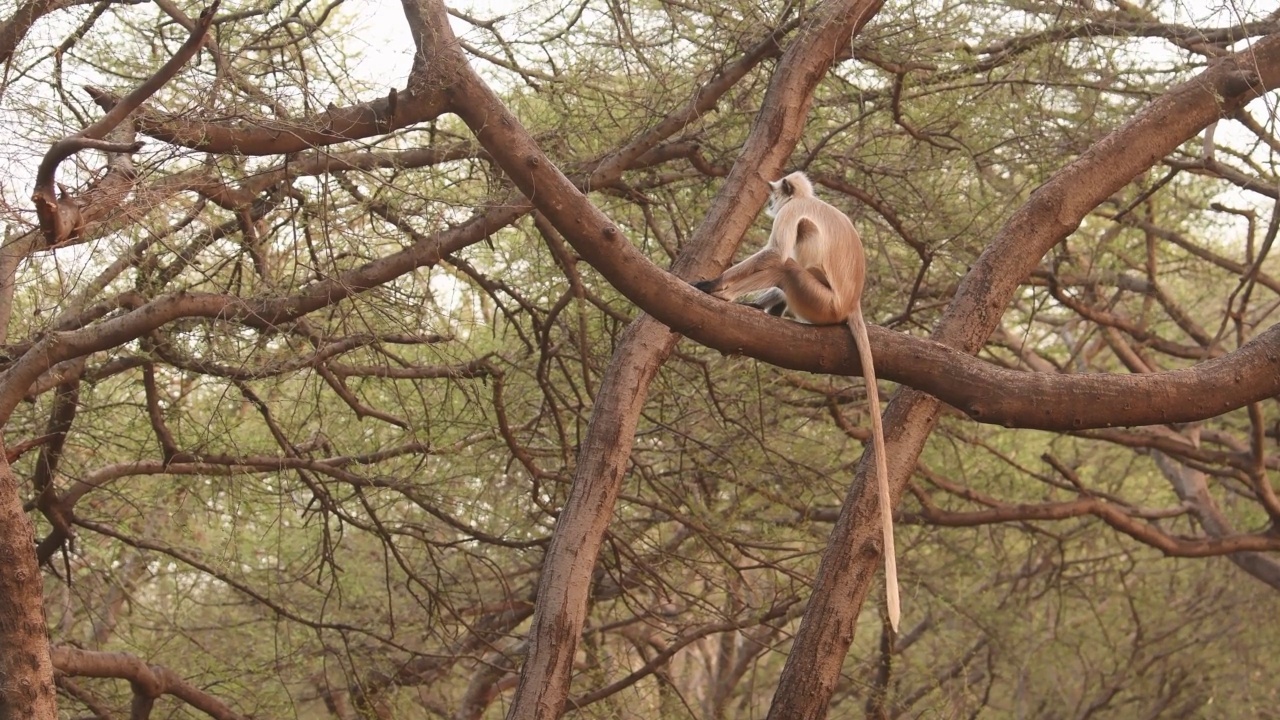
[1054,211]
[565,582]
[1192,487]
[852,559]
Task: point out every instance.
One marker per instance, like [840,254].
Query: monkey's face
[778,194]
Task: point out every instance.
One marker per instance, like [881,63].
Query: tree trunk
[1052,213]
[564,586]
[26,673]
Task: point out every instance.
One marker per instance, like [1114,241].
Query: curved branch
[1141,530]
[148,681]
[562,597]
[60,218]
[1053,212]
[986,393]
[116,114]
[276,137]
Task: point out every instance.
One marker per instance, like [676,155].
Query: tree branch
[148,681]
[61,220]
[279,137]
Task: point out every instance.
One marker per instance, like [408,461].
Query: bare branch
[61,220]
[277,137]
[148,681]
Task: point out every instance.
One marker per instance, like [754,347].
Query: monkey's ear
[787,187]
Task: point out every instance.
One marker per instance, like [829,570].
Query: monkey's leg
[758,272]
[809,295]
[773,301]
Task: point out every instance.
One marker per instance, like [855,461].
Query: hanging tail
[893,602]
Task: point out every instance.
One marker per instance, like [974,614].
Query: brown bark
[1053,212]
[61,218]
[987,393]
[147,681]
[564,585]
[565,580]
[13,29]
[275,137]
[26,674]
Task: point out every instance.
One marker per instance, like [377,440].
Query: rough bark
[565,581]
[564,585]
[26,673]
[1053,212]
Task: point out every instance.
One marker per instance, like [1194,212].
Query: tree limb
[61,220]
[148,681]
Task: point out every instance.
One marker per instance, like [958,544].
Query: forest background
[358,388]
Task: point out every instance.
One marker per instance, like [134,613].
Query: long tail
[893,602]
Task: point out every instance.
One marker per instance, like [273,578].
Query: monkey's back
[827,241]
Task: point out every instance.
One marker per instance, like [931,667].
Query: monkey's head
[790,186]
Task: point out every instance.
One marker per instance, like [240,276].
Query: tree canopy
[350,366]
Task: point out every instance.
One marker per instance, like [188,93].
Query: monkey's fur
[814,265]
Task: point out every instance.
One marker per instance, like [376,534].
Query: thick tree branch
[277,137]
[602,461]
[25,671]
[986,392]
[148,681]
[61,219]
[1053,212]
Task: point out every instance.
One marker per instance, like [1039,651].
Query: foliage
[342,509]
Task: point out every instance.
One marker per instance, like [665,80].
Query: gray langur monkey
[814,265]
